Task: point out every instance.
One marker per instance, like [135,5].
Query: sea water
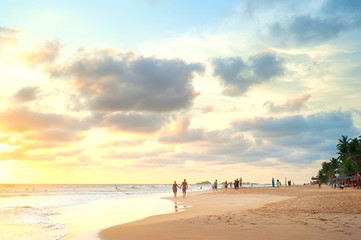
[27,212]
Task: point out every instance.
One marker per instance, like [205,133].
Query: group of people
[236,183]
[355,183]
[183,186]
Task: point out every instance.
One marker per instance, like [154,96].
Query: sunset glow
[156,91]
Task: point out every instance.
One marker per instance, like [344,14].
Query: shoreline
[85,221]
[295,212]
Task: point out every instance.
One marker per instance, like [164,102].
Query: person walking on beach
[184,187]
[215,185]
[236,184]
[226,185]
[240,182]
[175,186]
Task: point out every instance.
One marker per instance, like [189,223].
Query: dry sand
[297,212]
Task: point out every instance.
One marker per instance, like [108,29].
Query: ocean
[34,211]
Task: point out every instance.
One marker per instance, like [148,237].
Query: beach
[77,211]
[295,212]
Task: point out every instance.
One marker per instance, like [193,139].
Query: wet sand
[84,221]
[297,212]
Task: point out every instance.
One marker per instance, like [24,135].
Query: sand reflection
[178,206]
[100,214]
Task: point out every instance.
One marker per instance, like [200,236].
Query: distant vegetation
[347,162]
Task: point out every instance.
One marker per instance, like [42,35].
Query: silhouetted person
[184,187]
[175,188]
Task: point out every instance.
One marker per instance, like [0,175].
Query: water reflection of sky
[97,215]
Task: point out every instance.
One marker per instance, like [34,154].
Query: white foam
[29,214]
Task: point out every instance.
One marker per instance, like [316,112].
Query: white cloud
[124,82]
[291,105]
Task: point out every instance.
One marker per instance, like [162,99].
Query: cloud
[22,119]
[122,143]
[46,53]
[133,155]
[37,130]
[290,106]
[45,127]
[182,132]
[85,160]
[317,67]
[208,109]
[23,150]
[123,82]
[162,163]
[326,22]
[22,155]
[135,122]
[292,139]
[238,76]
[306,29]
[7,36]
[8,31]
[70,153]
[319,126]
[26,94]
[10,141]
[222,146]
[347,9]
[56,135]
[231,146]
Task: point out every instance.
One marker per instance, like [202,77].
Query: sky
[152,91]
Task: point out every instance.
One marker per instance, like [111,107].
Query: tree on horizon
[348,159]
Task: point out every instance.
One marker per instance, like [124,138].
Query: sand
[296,212]
[84,221]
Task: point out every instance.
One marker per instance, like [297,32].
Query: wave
[42,227]
[15,195]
